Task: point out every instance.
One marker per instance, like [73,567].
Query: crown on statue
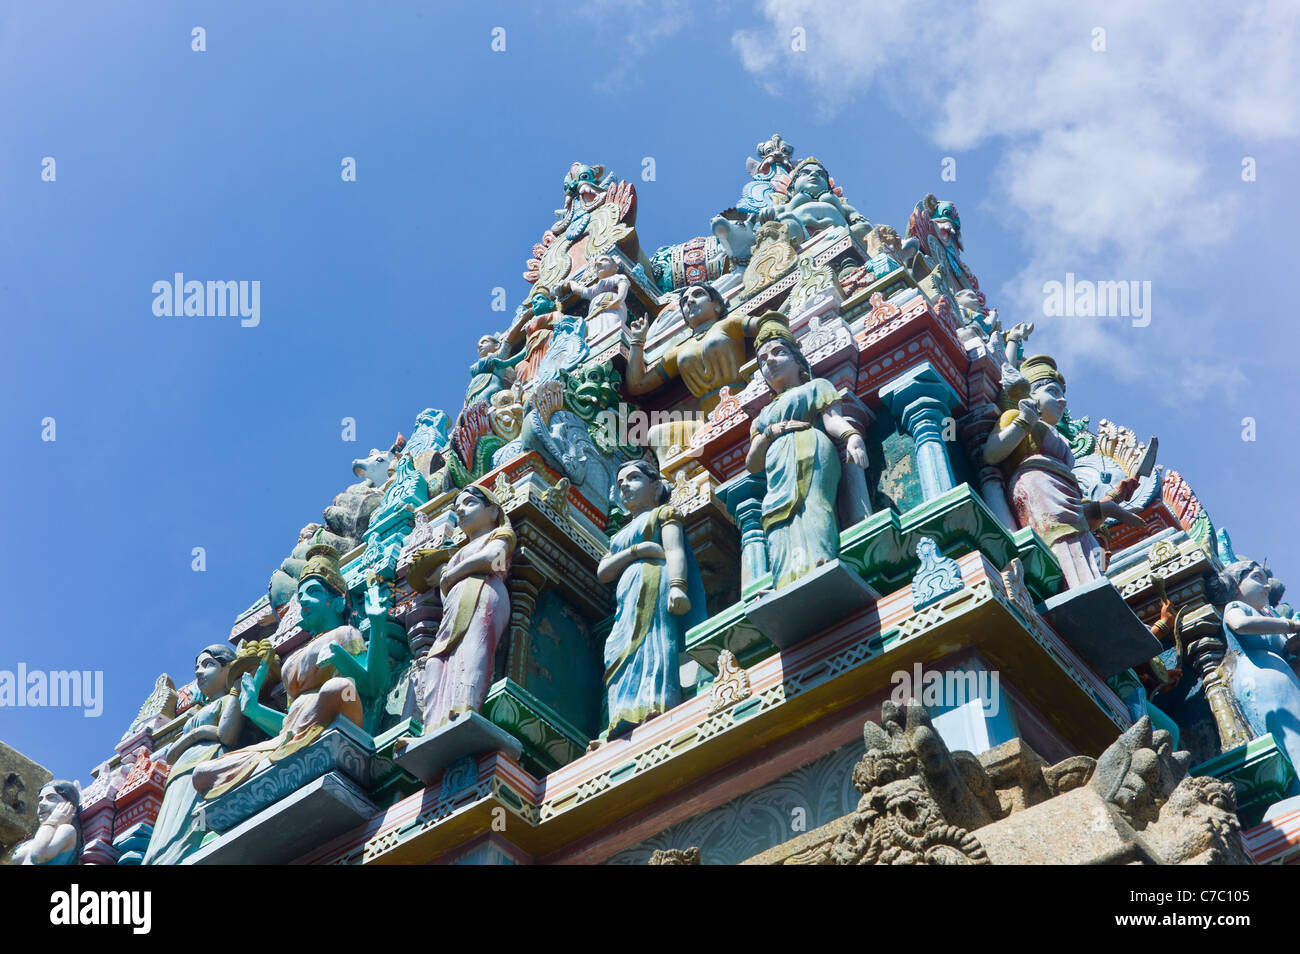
[1041,367]
[323,564]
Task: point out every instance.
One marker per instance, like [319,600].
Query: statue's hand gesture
[379,598]
[637,330]
[1029,411]
[678,601]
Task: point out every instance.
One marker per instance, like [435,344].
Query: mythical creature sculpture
[793,441]
[564,439]
[599,213]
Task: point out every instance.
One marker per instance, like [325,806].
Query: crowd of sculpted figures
[604,326]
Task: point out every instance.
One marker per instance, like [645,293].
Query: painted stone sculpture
[793,442]
[211,730]
[493,371]
[707,361]
[534,321]
[475,611]
[567,348]
[808,202]
[58,839]
[1261,654]
[1041,486]
[607,293]
[599,213]
[323,680]
[659,594]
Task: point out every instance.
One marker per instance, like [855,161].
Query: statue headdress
[774,326]
[1041,367]
[323,564]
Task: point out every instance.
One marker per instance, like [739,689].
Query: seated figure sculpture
[793,442]
[323,679]
[1042,489]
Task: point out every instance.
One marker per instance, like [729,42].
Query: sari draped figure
[803,474]
[475,612]
[176,832]
[641,652]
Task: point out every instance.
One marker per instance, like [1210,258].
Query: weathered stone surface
[1077,828]
[20,786]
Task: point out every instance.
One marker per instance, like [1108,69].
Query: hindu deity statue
[212,730]
[1260,661]
[660,595]
[58,839]
[567,348]
[808,202]
[793,441]
[493,371]
[707,361]
[324,680]
[1043,492]
[475,610]
[534,321]
[607,293]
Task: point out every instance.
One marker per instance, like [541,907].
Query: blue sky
[1122,164]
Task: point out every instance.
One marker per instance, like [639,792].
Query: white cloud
[1106,160]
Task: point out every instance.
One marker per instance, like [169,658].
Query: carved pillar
[923,402]
[1201,636]
[974,430]
[744,500]
[525,585]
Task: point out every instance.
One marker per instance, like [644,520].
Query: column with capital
[923,402]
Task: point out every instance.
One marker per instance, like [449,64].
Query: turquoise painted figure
[493,371]
[793,442]
[1261,655]
[211,730]
[659,595]
[324,680]
[58,838]
[475,611]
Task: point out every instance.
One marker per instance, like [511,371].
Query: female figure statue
[793,441]
[211,730]
[707,361]
[660,596]
[58,838]
[475,610]
[1261,654]
[323,679]
[607,294]
[493,371]
[1043,491]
